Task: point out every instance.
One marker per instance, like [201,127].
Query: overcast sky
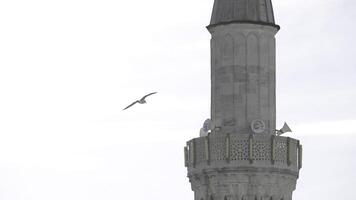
[69,67]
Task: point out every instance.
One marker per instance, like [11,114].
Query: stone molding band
[244,22]
[245,170]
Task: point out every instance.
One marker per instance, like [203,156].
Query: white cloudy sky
[68,67]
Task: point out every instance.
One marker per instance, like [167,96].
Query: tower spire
[243,11]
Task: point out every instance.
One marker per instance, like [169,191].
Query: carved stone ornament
[258,126]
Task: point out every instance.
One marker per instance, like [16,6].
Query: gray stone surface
[243,76]
[243,166]
[242,158]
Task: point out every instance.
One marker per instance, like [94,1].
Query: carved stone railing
[243,150]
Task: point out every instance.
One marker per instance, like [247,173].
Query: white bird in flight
[141,101]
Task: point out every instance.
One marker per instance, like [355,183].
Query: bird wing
[130,105]
[148,95]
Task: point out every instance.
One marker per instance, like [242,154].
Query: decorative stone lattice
[217,148]
[211,149]
[238,149]
[280,151]
[261,150]
[200,153]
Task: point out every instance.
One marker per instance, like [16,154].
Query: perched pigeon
[141,101]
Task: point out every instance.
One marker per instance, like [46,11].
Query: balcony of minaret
[244,151]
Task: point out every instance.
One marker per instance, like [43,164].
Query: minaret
[243,158]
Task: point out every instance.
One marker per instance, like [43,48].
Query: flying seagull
[141,101]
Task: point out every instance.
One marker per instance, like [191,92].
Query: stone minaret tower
[243,158]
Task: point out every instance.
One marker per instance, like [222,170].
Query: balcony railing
[231,150]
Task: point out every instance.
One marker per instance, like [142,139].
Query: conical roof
[242,11]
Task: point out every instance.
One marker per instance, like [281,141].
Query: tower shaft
[242,158]
[243,76]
